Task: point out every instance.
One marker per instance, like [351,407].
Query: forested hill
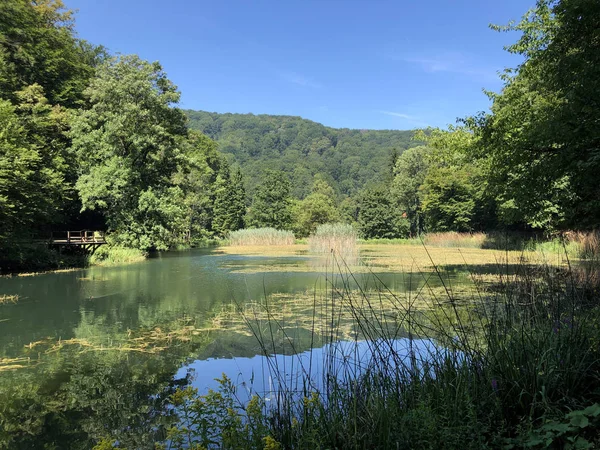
[347,159]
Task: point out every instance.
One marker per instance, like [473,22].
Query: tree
[541,135]
[31,184]
[316,209]
[230,201]
[199,165]
[38,45]
[409,174]
[449,199]
[271,206]
[379,217]
[128,146]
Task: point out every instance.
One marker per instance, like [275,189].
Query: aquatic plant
[261,236]
[107,255]
[338,239]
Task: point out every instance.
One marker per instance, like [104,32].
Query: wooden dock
[86,240]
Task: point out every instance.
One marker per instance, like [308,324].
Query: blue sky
[356,64]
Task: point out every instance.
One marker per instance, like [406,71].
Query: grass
[574,244]
[112,255]
[516,366]
[260,237]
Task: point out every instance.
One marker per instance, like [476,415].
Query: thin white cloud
[397,114]
[411,119]
[300,79]
[452,62]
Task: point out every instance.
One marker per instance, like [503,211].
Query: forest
[96,141]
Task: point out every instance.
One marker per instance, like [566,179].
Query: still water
[96,352]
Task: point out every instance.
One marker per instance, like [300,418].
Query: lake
[96,352]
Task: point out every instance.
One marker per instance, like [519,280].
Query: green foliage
[111,255]
[214,420]
[31,181]
[272,204]
[316,209]
[128,145]
[409,174]
[379,216]
[38,46]
[198,168]
[541,135]
[449,199]
[230,201]
[346,159]
[572,432]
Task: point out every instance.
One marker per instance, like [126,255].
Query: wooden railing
[80,237]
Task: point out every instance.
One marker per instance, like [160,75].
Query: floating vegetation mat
[5,298]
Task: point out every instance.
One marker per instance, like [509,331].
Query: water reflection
[267,376]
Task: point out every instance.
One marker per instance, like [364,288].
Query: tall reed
[261,236]
[338,238]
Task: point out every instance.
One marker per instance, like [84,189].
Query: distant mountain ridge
[348,159]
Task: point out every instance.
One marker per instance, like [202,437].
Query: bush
[261,236]
[107,255]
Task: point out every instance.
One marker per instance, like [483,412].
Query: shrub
[109,255]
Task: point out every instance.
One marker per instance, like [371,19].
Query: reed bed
[260,236]
[339,239]
[454,239]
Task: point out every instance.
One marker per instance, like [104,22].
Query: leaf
[592,411]
[580,421]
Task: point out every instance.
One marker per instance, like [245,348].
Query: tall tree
[271,206]
[128,145]
[198,167]
[542,135]
[38,45]
[230,200]
[316,209]
[31,184]
[378,215]
[409,174]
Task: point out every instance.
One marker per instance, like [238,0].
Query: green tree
[409,175]
[316,209]
[449,199]
[271,206]
[378,215]
[541,135]
[230,201]
[128,145]
[31,185]
[199,165]
[38,45]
